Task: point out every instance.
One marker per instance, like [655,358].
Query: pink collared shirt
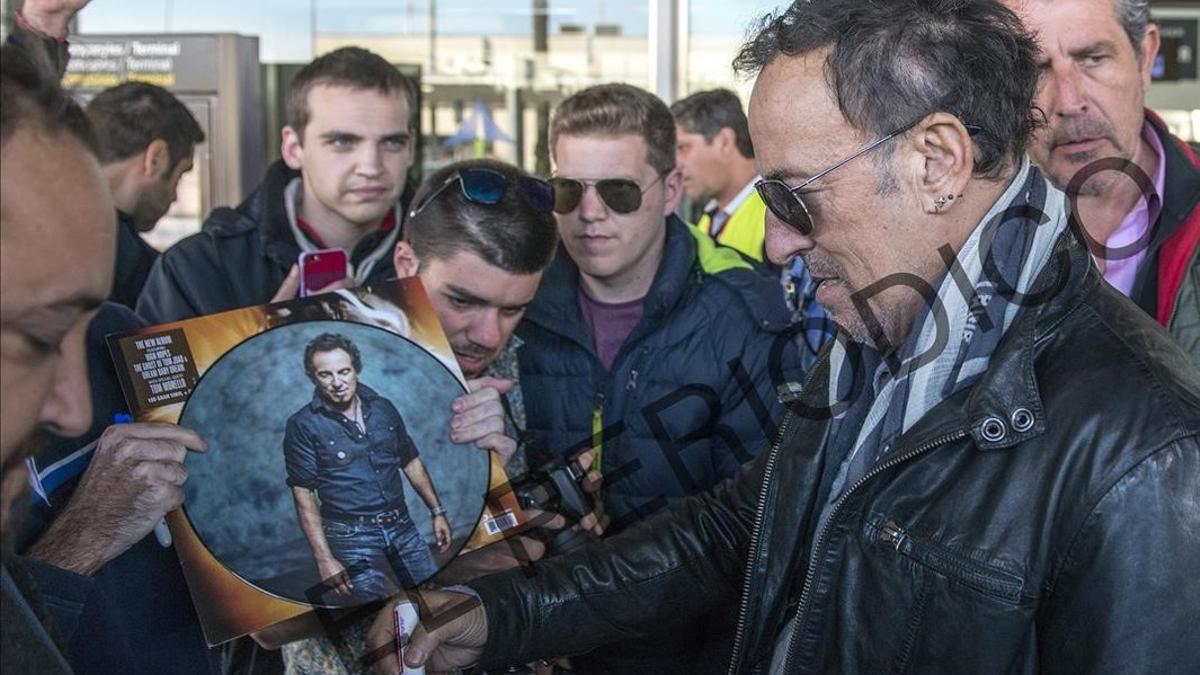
[1121,272]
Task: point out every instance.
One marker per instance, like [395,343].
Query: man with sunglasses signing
[993,469]
[646,343]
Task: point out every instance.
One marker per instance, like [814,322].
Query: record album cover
[330,480]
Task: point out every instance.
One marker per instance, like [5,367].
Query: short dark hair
[130,116]
[510,234]
[615,109]
[708,112]
[892,63]
[328,342]
[30,95]
[352,67]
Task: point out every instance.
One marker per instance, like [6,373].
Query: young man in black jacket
[346,150]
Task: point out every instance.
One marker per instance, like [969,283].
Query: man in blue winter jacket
[647,344]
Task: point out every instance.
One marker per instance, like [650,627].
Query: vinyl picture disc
[328,441]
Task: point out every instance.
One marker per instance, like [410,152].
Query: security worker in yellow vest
[716,157]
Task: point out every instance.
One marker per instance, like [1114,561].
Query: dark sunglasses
[788,205]
[619,194]
[488,186]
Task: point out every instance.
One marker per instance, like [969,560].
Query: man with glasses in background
[646,343]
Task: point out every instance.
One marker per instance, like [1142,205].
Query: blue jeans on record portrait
[380,556]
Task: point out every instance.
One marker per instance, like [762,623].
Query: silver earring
[940,202]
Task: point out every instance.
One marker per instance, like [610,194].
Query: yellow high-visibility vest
[745,230]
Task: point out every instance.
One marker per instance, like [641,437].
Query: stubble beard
[1077,129]
[14,486]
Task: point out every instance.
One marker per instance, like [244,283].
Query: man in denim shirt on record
[348,447]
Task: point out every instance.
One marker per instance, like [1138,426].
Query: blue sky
[285,31]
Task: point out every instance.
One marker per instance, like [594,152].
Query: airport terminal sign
[175,62]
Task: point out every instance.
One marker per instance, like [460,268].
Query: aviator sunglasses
[619,194]
[788,205]
[488,186]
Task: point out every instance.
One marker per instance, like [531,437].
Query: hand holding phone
[319,269]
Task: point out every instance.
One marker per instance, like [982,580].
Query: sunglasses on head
[619,194]
[786,202]
[488,186]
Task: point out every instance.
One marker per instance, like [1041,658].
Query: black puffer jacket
[1068,542]
[241,256]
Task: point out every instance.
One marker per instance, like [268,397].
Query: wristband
[438,510]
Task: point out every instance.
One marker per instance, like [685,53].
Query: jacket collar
[555,307]
[1009,389]
[996,405]
[1182,186]
[370,251]
[265,210]
[1009,384]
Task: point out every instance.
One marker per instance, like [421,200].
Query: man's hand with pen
[135,477]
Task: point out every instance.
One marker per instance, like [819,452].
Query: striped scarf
[1007,245]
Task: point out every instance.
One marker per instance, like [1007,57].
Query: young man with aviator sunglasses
[646,343]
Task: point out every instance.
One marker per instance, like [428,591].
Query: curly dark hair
[892,63]
[328,342]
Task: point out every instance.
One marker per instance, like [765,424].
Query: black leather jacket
[1046,519]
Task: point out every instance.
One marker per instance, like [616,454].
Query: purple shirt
[610,324]
[1121,272]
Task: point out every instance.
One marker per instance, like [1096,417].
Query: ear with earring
[941,202]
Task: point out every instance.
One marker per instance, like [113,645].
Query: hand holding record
[479,417]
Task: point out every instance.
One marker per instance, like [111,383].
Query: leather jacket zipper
[951,564]
[756,540]
[817,551]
